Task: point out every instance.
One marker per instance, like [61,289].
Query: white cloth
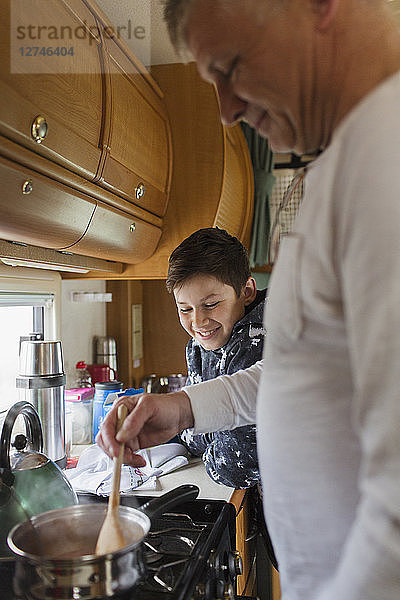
[93,473]
[328,409]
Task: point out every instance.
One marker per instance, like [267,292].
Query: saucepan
[56,549]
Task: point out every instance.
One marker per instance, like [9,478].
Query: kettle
[30,483]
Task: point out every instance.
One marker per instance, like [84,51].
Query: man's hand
[152,419]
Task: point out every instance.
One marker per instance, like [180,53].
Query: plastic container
[68,429]
[83,378]
[104,398]
[102,389]
[80,402]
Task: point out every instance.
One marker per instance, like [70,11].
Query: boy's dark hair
[210,251]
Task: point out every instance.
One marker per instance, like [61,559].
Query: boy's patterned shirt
[230,457]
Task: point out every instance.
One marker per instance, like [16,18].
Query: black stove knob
[235,564]
[225,591]
[199,592]
[229,592]
[219,589]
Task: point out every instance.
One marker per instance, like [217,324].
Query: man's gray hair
[176,14]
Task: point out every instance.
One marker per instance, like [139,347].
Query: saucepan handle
[160,504]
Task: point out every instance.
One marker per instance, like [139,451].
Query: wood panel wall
[164,340]
[119,326]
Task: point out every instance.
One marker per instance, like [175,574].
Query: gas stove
[189,554]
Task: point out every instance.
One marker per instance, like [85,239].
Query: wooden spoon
[111,536]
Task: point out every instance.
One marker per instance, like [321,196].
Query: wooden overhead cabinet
[52,105]
[126,238]
[212,178]
[235,209]
[88,127]
[42,211]
[139,155]
[125,163]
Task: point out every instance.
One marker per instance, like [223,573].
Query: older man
[313,75]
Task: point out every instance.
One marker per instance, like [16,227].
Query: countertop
[194,473]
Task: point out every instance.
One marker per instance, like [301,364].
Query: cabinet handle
[139,191]
[132,227]
[27,186]
[39,129]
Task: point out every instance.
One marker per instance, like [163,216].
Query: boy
[219,306]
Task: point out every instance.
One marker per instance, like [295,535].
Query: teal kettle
[30,483]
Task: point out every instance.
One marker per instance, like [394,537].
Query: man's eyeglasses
[295,187]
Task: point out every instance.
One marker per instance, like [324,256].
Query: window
[29,303]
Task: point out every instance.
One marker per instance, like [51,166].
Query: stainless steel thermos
[42,378]
[105,352]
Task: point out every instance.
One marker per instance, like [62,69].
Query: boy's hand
[152,419]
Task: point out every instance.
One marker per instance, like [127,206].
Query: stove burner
[179,554]
[168,548]
[173,540]
[167,576]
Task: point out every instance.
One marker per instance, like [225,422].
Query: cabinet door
[38,211]
[116,235]
[246,580]
[236,204]
[54,97]
[138,162]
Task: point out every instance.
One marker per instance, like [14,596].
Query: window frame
[45,318]
[25,280]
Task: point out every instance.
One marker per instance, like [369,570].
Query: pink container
[80,403]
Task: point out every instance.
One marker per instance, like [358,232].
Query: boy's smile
[208,309]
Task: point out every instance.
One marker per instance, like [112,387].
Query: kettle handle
[33,430]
